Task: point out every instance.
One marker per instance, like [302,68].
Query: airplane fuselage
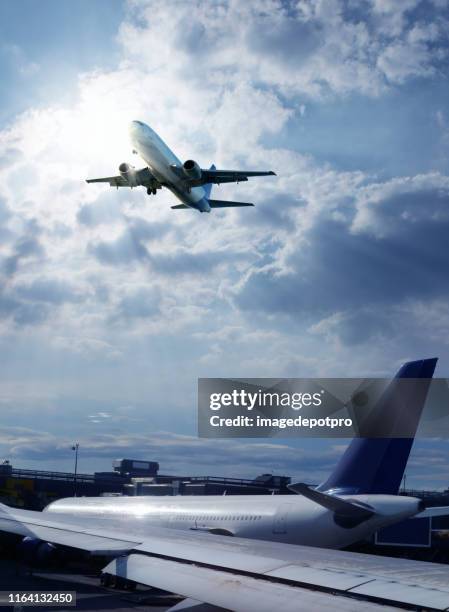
[160,160]
[289,519]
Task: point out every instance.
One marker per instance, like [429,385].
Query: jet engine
[191,169]
[128,172]
[36,552]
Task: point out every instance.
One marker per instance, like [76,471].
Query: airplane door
[280,518]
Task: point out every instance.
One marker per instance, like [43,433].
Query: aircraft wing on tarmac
[241,574]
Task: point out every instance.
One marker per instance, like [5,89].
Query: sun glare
[98,131]
[104,126]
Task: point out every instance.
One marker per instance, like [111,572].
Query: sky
[112,305]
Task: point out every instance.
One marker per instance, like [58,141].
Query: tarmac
[90,595]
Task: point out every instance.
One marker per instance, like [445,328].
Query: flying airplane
[177,543]
[191,184]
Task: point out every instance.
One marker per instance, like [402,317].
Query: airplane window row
[218,518]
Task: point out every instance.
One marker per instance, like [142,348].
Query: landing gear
[117,582]
[151,191]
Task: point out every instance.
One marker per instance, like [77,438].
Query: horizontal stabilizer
[340,506]
[433,511]
[225,204]
[178,206]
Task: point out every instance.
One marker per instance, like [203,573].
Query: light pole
[75,448]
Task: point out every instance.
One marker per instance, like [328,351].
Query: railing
[90,478]
[66,476]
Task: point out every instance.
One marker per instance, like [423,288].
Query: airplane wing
[114,181]
[216,177]
[240,574]
[142,177]
[229,176]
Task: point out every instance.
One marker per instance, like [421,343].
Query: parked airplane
[359,497]
[187,181]
[250,575]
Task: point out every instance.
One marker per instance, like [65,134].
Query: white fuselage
[290,519]
[160,160]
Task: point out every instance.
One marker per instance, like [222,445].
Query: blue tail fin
[376,465]
[208,187]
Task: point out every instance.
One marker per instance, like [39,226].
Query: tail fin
[208,186]
[376,465]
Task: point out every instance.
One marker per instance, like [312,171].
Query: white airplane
[191,184]
[359,498]
[237,573]
[177,543]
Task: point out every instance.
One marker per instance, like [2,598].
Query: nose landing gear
[151,191]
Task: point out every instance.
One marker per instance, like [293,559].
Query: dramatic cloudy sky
[112,305]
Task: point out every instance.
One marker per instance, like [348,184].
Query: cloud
[310,48]
[26,247]
[50,291]
[16,56]
[171,451]
[358,271]
[428,463]
[339,268]
[356,327]
[427,466]
[104,210]
[184,261]
[32,303]
[142,303]
[9,156]
[22,313]
[286,40]
[124,250]
[130,245]
[92,348]
[398,205]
